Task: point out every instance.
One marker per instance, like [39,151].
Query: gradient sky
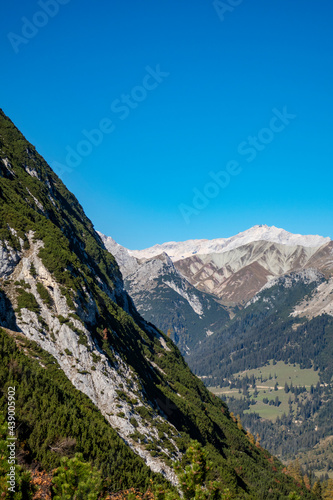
[223,75]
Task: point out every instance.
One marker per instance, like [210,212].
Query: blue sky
[181,93]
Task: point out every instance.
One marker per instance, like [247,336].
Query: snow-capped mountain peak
[181,250]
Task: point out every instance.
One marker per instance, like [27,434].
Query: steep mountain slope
[63,290]
[53,418]
[126,262]
[164,297]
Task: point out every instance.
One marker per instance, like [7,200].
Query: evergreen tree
[294,496]
[327,493]
[76,479]
[193,480]
[317,490]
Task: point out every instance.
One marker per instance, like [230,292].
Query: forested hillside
[263,333]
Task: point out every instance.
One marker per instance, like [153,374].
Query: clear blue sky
[220,81]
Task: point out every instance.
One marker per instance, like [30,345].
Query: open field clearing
[269,383]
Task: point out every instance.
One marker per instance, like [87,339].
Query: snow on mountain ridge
[181,250]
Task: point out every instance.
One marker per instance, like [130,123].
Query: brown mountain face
[235,276]
[321,300]
[323,260]
[244,284]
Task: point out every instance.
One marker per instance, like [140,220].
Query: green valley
[264,386]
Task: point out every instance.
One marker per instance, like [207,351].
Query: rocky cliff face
[61,329]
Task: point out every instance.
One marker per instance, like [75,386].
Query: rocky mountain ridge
[234,269]
[237,275]
[210,288]
[182,250]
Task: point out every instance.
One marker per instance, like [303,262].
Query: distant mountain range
[192,288]
[181,250]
